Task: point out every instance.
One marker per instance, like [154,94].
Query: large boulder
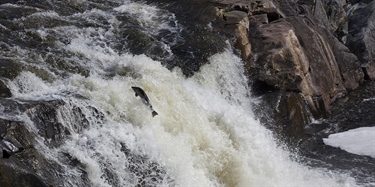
[297,54]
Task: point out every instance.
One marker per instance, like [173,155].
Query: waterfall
[206,133]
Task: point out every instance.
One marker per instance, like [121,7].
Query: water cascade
[205,134]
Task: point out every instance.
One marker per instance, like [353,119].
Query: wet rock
[9,146]
[289,48]
[43,114]
[355,110]
[146,170]
[14,137]
[269,8]
[9,68]
[238,21]
[20,156]
[4,90]
[21,164]
[349,65]
[293,54]
[13,173]
[202,32]
[8,1]
[361,38]
[8,11]
[286,114]
[138,41]
[336,13]
[287,8]
[293,111]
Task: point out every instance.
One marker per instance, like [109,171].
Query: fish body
[142,94]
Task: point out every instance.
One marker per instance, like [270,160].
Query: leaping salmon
[142,94]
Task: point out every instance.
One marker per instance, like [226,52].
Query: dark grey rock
[361,36]
[21,164]
[9,68]
[4,90]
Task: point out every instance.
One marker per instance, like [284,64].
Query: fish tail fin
[154,113]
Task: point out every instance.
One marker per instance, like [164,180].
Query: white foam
[360,141]
[150,17]
[369,99]
[205,133]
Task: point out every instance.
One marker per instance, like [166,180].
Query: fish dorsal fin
[154,113]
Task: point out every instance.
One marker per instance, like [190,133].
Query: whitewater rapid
[205,134]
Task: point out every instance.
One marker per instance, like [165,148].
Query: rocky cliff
[301,56]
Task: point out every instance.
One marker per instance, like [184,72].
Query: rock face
[239,22]
[291,55]
[298,48]
[361,35]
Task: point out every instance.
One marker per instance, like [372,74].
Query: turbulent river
[206,133]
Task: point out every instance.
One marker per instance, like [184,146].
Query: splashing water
[205,134]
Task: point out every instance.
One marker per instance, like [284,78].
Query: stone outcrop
[291,54]
[294,50]
[239,22]
[361,36]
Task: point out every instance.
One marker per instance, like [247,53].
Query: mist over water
[205,134]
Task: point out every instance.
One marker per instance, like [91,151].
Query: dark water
[355,110]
